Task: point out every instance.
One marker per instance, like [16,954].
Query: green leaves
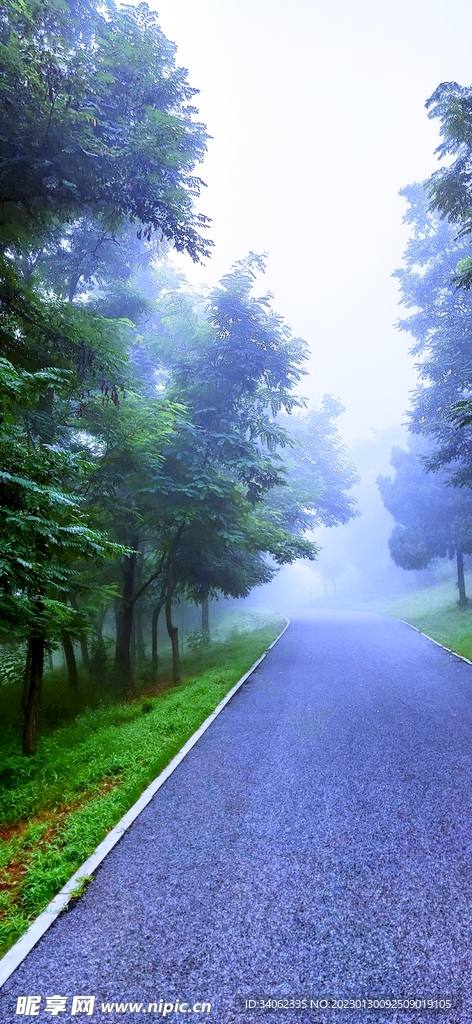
[434,519]
[142,427]
[440,322]
[43,530]
[463,275]
[96,117]
[449,189]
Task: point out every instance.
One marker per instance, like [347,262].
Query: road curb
[15,956]
[448,649]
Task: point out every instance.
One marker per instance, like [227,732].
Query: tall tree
[434,518]
[98,132]
[318,473]
[450,188]
[441,326]
[97,118]
[44,533]
[233,366]
[127,487]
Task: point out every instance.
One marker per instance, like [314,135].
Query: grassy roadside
[57,806]
[435,611]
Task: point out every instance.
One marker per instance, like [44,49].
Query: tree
[318,472]
[441,325]
[450,188]
[141,426]
[126,487]
[97,119]
[434,518]
[355,560]
[235,550]
[235,490]
[98,133]
[233,366]
[43,532]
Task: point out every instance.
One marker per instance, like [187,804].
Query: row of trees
[145,449]
[430,497]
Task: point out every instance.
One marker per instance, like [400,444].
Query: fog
[317,117]
[187,446]
[354,565]
[354,568]
[318,120]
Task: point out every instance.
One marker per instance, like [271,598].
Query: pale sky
[317,117]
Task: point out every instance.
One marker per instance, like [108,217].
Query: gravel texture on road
[316,840]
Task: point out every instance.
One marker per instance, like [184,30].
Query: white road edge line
[15,956]
[448,649]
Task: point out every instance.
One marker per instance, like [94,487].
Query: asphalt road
[316,841]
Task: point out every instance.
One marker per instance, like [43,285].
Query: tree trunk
[154,623]
[82,641]
[140,646]
[84,653]
[206,620]
[174,638]
[463,602]
[154,628]
[33,694]
[101,621]
[117,613]
[123,663]
[73,286]
[26,677]
[133,641]
[167,595]
[70,661]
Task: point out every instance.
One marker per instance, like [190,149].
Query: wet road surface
[317,841]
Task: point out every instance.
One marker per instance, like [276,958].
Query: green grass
[57,806]
[435,611]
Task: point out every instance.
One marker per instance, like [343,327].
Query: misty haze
[236,511]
